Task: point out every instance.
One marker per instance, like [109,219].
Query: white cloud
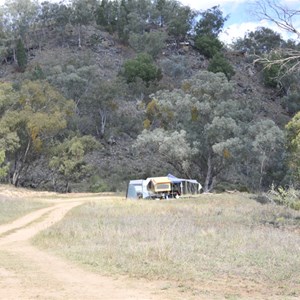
[202,5]
[236,31]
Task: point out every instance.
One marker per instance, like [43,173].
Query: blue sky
[241,16]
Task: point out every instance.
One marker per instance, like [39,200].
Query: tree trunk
[67,187]
[14,55]
[209,180]
[262,169]
[103,116]
[79,36]
[19,165]
[15,178]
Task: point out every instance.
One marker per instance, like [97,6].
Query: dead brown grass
[220,238]
[15,203]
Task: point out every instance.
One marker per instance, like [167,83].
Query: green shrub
[141,67]
[273,70]
[208,45]
[270,75]
[291,103]
[97,185]
[220,64]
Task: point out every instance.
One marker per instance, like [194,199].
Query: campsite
[104,246]
[143,157]
[162,187]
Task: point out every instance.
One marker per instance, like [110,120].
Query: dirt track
[28,273]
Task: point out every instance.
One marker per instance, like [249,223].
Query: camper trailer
[162,187]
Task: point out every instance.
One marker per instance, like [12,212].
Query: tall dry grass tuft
[186,240]
[11,208]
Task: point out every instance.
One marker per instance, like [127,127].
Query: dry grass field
[225,246]
[14,205]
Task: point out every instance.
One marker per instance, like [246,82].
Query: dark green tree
[161,8]
[211,22]
[101,13]
[260,41]
[21,56]
[219,63]
[122,22]
[181,22]
[107,15]
[83,14]
[208,45]
[141,67]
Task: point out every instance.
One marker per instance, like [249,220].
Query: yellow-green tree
[3,166]
[68,159]
[31,118]
[293,131]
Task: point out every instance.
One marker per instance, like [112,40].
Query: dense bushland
[112,90]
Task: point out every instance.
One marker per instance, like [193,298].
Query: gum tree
[293,131]
[204,110]
[37,113]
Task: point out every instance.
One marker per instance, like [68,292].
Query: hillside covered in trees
[94,93]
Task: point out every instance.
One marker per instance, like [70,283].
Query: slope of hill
[102,56]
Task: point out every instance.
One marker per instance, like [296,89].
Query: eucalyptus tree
[4,37]
[286,19]
[293,132]
[181,22]
[275,12]
[207,29]
[211,22]
[107,15]
[74,81]
[83,13]
[37,114]
[20,16]
[287,61]
[151,42]
[100,104]
[203,131]
[172,146]
[55,16]
[18,19]
[265,140]
[67,160]
[122,21]
[260,41]
[210,123]
[3,166]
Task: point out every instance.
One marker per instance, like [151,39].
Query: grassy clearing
[187,240]
[11,209]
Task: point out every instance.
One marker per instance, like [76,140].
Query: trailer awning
[175,179]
